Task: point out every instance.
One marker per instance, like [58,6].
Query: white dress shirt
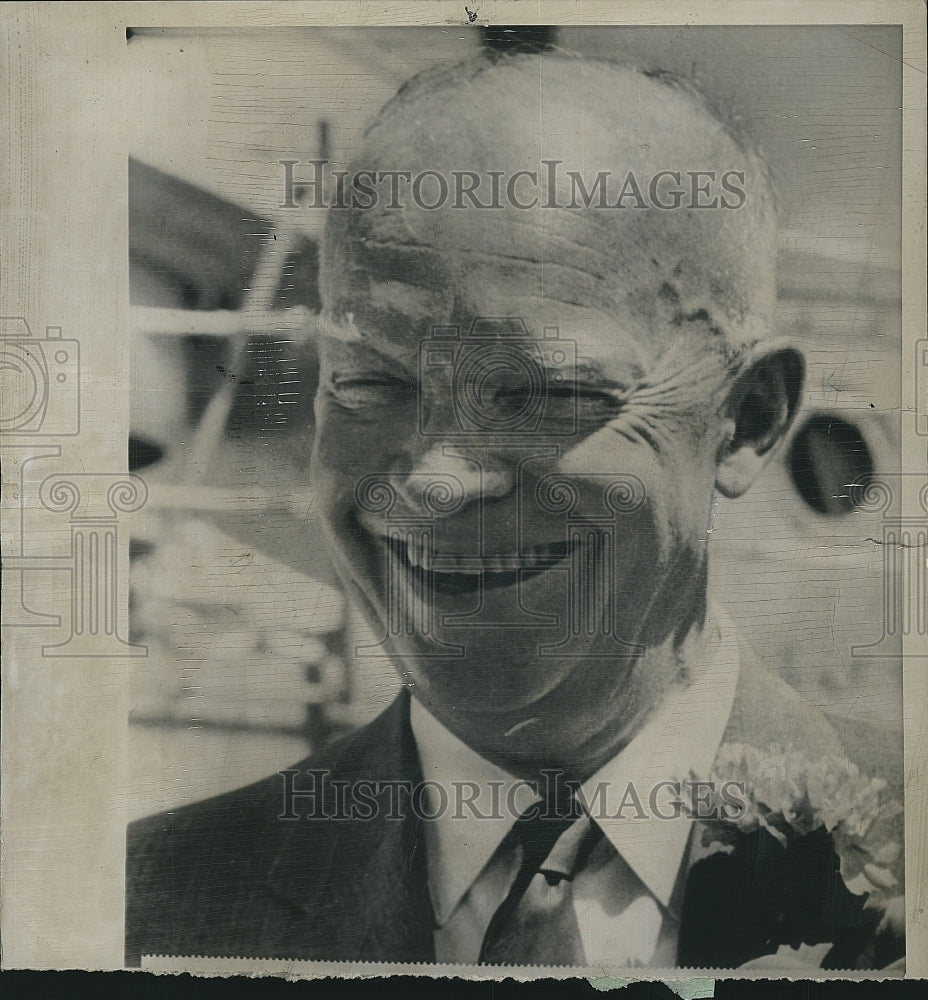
[623,897]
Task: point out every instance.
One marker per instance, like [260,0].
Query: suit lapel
[359,887]
[726,899]
[355,890]
[392,908]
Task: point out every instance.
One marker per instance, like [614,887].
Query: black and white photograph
[518,564]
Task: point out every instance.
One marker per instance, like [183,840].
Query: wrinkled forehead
[576,136]
[585,342]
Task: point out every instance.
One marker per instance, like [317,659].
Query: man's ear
[760,408]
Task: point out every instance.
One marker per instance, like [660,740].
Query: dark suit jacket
[227,877]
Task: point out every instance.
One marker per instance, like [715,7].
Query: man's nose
[475,478]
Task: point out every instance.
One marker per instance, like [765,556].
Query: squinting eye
[595,402]
[370,390]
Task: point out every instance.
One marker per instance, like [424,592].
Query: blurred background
[251,660]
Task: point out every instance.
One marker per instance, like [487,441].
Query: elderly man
[545,345]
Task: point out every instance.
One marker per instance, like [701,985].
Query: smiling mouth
[457,574]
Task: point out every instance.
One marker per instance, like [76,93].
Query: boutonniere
[798,865]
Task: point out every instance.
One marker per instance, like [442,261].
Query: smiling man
[546,345]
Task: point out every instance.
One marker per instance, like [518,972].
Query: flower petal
[806,956]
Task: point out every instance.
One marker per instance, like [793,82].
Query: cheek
[674,484]
[341,457]
[344,442]
[609,460]
[689,502]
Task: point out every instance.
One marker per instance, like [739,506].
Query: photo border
[64,219]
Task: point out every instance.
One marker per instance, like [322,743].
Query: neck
[584,744]
[596,712]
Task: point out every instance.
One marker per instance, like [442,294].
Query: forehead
[401,269]
[602,279]
[398,320]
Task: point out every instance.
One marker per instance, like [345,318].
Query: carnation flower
[790,796]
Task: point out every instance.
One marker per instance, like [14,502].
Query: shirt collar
[458,847]
[679,741]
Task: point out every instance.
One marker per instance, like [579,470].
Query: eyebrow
[590,373]
[363,351]
[587,371]
[368,339]
[344,331]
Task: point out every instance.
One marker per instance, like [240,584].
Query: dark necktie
[536,924]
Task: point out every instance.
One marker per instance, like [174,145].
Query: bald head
[543,274]
[555,178]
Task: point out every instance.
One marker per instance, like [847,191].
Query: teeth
[419,554]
